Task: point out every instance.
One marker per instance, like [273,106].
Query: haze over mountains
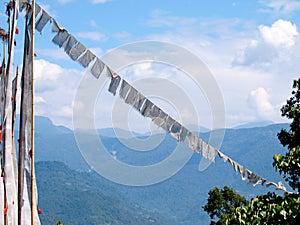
[71,192]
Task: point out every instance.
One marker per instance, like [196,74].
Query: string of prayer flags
[161,120]
[71,42]
[193,142]
[153,112]
[167,123]
[131,96]
[42,21]
[60,38]
[183,133]
[97,68]
[76,51]
[175,130]
[204,147]
[211,153]
[146,107]
[114,84]
[139,101]
[56,27]
[38,9]
[242,171]
[86,58]
[124,89]
[24,3]
[252,178]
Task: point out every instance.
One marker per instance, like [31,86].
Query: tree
[272,208]
[222,202]
[289,164]
[268,209]
[60,223]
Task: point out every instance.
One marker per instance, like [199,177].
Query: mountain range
[70,191]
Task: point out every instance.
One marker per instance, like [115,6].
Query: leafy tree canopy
[289,164]
[270,208]
[222,202]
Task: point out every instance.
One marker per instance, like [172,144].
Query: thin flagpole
[33,205]
[4,52]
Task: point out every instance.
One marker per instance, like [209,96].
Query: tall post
[4,52]
[33,205]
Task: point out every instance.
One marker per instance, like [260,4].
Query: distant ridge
[262,123]
[179,198]
[84,198]
[45,125]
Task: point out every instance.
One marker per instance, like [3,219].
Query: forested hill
[179,198]
[81,198]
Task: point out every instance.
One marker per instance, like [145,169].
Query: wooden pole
[33,204]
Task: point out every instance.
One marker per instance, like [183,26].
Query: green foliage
[268,209]
[289,164]
[222,202]
[291,110]
[60,223]
[82,198]
[272,208]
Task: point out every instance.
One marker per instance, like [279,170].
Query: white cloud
[99,1]
[123,35]
[273,47]
[281,33]
[57,54]
[55,91]
[230,40]
[259,100]
[237,42]
[256,54]
[94,24]
[281,7]
[164,18]
[93,35]
[144,69]
[45,71]
[64,1]
[39,99]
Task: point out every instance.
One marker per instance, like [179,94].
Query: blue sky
[252,48]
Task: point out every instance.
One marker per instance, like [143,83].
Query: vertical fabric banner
[25,136]
[10,173]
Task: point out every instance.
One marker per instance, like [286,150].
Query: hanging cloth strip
[43,20]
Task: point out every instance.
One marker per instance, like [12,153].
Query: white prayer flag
[86,58]
[26,136]
[97,68]
[60,38]
[56,27]
[43,20]
[76,51]
[10,173]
